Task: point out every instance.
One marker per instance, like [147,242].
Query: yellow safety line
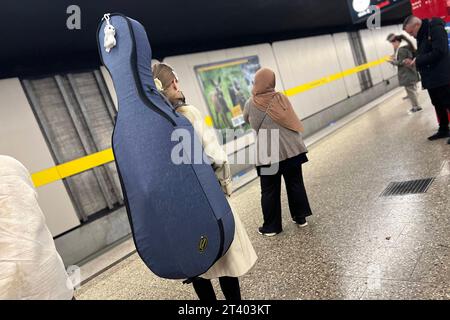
[320,82]
[72,167]
[91,161]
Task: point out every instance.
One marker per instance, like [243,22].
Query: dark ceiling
[35,39]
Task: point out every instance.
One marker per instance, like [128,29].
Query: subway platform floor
[358,245]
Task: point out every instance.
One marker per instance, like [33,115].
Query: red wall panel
[431,8]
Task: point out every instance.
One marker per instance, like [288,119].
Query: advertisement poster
[226,87]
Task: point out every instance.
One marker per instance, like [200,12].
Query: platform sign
[226,87]
[360,10]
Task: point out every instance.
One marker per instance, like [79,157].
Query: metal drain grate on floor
[407,187]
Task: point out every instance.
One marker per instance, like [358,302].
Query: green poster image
[226,87]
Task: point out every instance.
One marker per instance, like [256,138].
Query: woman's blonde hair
[164,73]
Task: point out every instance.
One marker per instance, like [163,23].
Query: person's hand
[390,58]
[409,62]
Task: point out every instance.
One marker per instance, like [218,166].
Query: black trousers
[291,170]
[229,285]
[440,97]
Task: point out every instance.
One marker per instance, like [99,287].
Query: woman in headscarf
[271,112]
[30,266]
[241,256]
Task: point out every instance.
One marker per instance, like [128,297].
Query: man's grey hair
[410,20]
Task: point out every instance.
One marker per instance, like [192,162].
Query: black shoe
[267,234]
[448,141]
[439,135]
[301,222]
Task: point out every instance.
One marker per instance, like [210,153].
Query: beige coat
[30,266]
[241,256]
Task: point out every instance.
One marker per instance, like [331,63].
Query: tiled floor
[358,245]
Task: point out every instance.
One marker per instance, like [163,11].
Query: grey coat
[407,76]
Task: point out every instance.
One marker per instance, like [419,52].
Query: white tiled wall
[304,60]
[346,61]
[370,47]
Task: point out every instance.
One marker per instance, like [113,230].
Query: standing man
[433,63]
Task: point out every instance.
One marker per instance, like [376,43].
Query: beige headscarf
[276,104]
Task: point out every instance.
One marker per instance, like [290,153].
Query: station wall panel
[370,48]
[346,62]
[308,59]
[22,139]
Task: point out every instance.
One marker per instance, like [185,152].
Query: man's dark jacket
[433,57]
